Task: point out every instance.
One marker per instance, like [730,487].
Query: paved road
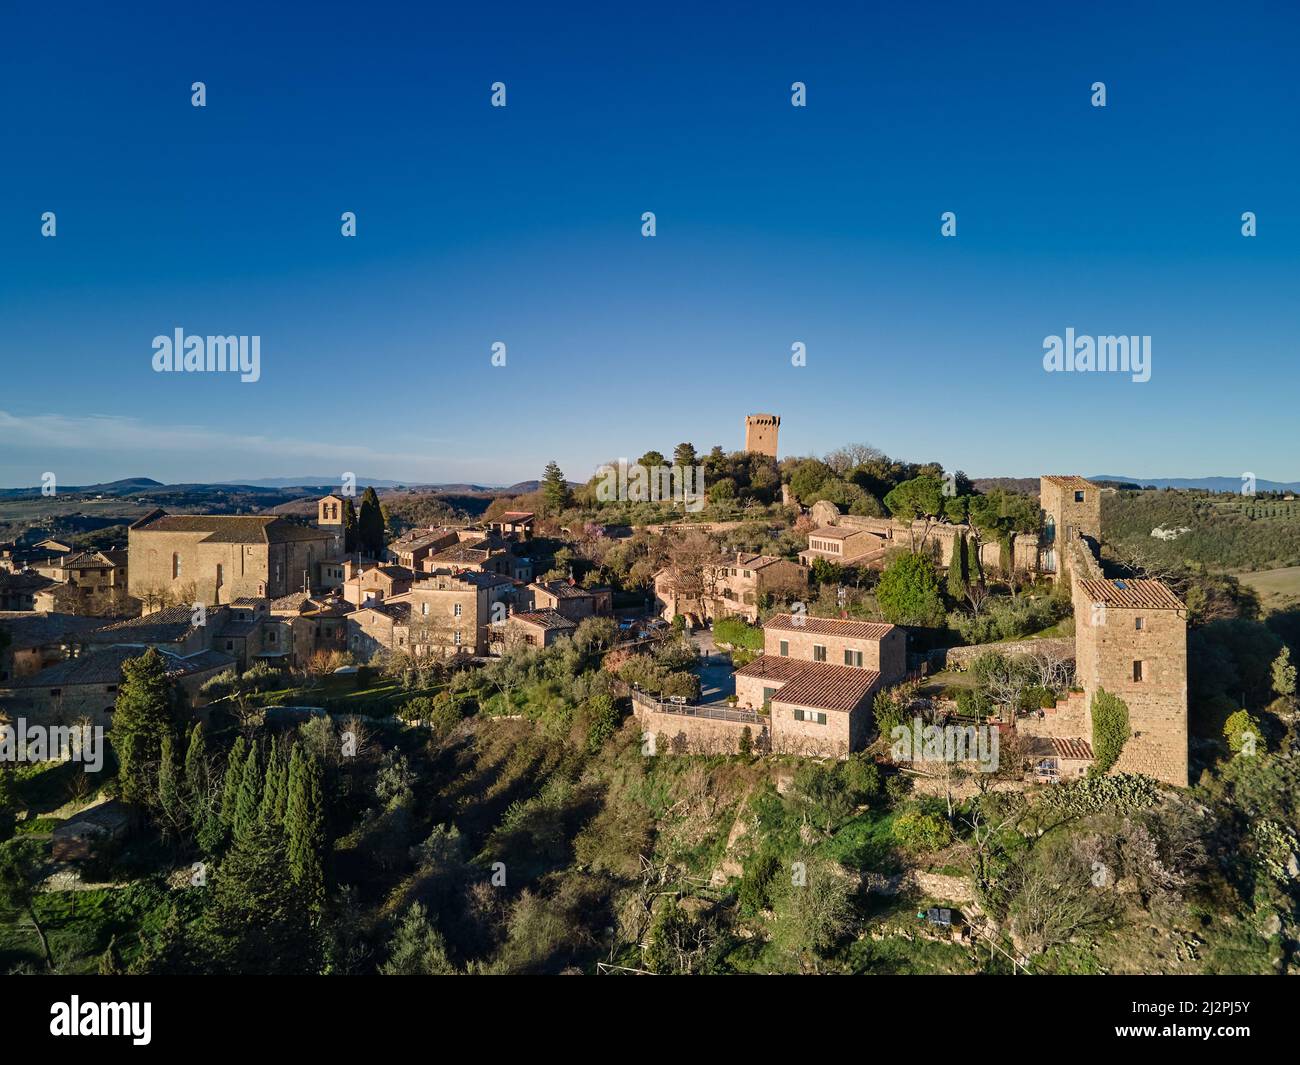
[714,670]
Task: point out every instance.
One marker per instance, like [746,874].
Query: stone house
[38,641]
[870,645]
[451,612]
[534,628]
[377,583]
[570,599]
[731,587]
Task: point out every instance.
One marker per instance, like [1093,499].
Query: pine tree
[417,948]
[249,800]
[142,717]
[370,525]
[555,489]
[304,825]
[957,569]
[234,777]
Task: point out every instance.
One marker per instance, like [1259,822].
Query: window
[424,609]
[220,575]
[230,645]
[176,566]
[853,658]
[1139,671]
[785,649]
[811,716]
[1078,497]
[455,610]
[110,688]
[1139,624]
[56,692]
[456,638]
[819,653]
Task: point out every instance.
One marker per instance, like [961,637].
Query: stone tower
[329,516]
[1070,505]
[760,433]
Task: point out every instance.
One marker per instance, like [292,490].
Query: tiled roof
[105,667]
[851,630]
[1071,481]
[827,687]
[460,553]
[773,667]
[1073,747]
[563,590]
[544,619]
[1135,594]
[234,528]
[163,626]
[87,560]
[27,629]
[834,532]
[517,515]
[24,582]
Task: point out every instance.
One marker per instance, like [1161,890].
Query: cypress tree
[171,800]
[201,801]
[142,717]
[957,569]
[304,825]
[234,777]
[370,525]
[275,795]
[249,800]
[349,526]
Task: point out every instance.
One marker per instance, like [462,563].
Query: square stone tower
[760,433]
[1131,640]
[1070,505]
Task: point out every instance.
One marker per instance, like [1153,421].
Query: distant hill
[1204,484]
[111,488]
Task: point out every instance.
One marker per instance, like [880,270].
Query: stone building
[569,598]
[760,433]
[533,628]
[89,582]
[217,558]
[816,680]
[858,540]
[1070,504]
[1131,640]
[730,587]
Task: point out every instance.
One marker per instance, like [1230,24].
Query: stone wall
[962,657]
[702,735]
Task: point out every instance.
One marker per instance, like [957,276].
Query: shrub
[908,592]
[917,831]
[738,633]
[1242,731]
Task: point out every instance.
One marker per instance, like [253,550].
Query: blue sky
[522,224]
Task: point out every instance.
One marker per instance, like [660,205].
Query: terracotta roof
[774,667]
[163,626]
[563,590]
[835,532]
[851,630]
[27,629]
[233,528]
[1073,747]
[1070,480]
[544,619]
[516,515]
[827,687]
[1144,594]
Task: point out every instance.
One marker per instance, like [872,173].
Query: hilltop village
[223,593]
[705,712]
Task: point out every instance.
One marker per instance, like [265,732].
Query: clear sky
[522,224]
